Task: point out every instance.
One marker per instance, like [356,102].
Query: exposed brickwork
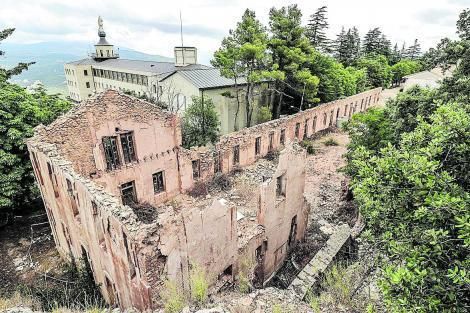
[130,258]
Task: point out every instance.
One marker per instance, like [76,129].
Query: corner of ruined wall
[86,229]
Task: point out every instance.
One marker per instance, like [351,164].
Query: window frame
[111,152]
[128,186]
[159,186]
[236,155]
[128,147]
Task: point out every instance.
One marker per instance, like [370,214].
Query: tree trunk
[248,104]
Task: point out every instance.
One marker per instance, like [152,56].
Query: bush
[264,115]
[199,285]
[173,299]
[330,142]
[80,293]
[308,145]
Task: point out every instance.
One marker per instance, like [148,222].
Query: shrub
[173,299]
[80,293]
[330,142]
[199,285]
[264,115]
[308,145]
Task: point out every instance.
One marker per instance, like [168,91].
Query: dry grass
[19,300]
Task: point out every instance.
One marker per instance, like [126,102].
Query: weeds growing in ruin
[308,145]
[75,290]
[17,299]
[173,299]
[199,285]
[330,142]
[245,275]
[338,289]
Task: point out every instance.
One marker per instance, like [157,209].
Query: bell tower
[103,49]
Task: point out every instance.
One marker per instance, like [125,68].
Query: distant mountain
[50,58]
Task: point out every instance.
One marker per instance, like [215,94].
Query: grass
[17,299]
[173,298]
[330,142]
[244,274]
[199,285]
[308,145]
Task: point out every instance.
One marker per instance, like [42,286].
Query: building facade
[122,193]
[170,83]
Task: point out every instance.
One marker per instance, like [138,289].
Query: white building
[173,83]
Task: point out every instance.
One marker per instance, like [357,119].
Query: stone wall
[307,122]
[87,222]
[130,258]
[313,272]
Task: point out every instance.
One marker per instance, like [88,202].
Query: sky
[153,26]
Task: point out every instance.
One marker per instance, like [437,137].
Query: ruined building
[121,192]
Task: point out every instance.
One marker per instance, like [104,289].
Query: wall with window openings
[132,151]
[84,227]
[244,147]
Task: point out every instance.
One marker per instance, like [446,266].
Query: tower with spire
[103,49]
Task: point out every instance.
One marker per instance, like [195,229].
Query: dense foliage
[410,176]
[200,124]
[20,112]
[303,65]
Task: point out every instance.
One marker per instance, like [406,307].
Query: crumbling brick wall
[89,223]
[130,259]
[296,126]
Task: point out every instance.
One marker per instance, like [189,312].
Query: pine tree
[243,54]
[395,56]
[384,46]
[372,41]
[316,29]
[291,53]
[347,46]
[356,39]
[414,51]
[20,67]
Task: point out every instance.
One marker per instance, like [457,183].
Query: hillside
[50,58]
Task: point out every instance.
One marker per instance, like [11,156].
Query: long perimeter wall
[270,136]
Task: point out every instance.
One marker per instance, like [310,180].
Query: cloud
[153,26]
[437,16]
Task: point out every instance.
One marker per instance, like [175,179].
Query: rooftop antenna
[181,34]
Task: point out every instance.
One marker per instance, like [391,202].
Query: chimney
[185,56]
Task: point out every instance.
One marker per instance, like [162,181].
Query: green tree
[378,71]
[335,80]
[416,212]
[316,30]
[403,68]
[291,53]
[463,25]
[347,46]
[395,55]
[20,112]
[200,124]
[413,51]
[243,55]
[376,43]
[16,70]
